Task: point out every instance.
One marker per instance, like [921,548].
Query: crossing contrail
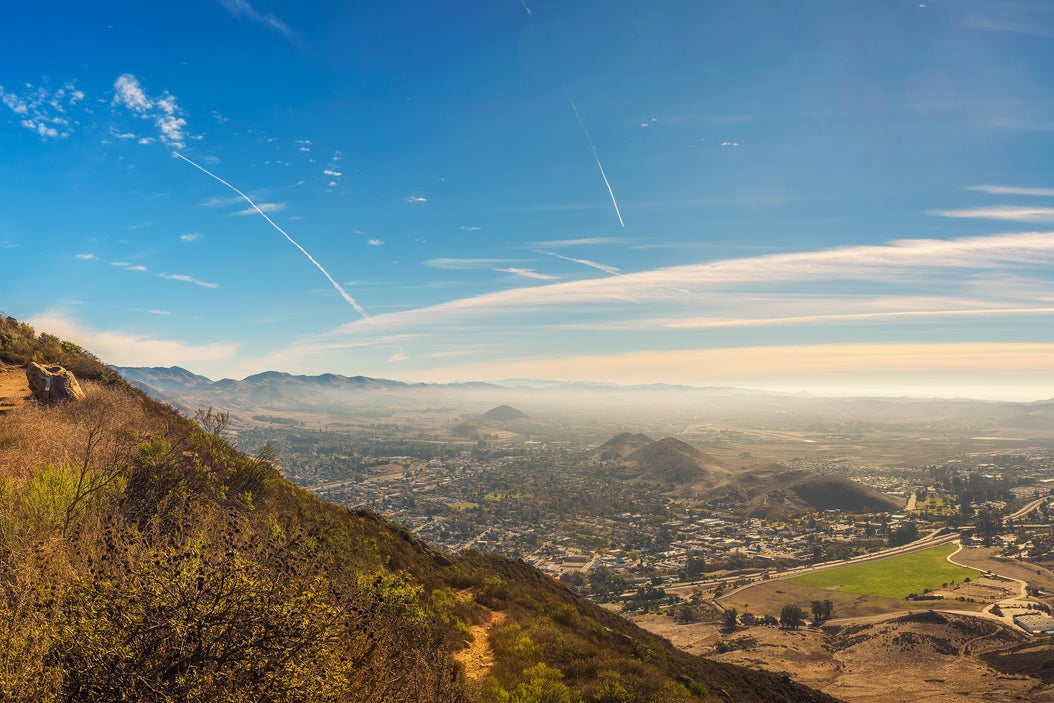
[343,293]
[599,165]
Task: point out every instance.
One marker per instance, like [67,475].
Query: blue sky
[837,197]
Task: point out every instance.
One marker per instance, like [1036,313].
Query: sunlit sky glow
[834,197]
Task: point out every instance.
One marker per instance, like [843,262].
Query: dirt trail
[14,388]
[478,657]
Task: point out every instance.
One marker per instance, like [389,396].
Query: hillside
[504,413]
[775,491]
[622,445]
[670,460]
[142,557]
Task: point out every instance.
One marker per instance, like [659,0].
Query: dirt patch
[478,658]
[14,388]
[926,656]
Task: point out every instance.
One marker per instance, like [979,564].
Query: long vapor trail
[343,293]
[605,268]
[599,165]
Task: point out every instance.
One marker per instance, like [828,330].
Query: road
[1028,508]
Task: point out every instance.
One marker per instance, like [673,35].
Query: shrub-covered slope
[142,557]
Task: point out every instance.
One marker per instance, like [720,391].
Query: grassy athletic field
[895,577]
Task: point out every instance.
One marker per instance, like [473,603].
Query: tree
[730,619]
[792,617]
[905,533]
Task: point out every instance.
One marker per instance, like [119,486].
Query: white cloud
[332,173]
[397,357]
[374,242]
[85,257]
[242,8]
[265,207]
[187,279]
[1012,190]
[1010,213]
[129,93]
[132,348]
[458,264]
[938,262]
[137,268]
[585,241]
[469,228]
[44,110]
[190,237]
[164,111]
[528,273]
[416,199]
[153,311]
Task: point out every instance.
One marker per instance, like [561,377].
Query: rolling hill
[670,460]
[776,491]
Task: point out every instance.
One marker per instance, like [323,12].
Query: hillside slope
[776,491]
[142,557]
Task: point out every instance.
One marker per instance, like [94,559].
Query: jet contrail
[585,262]
[343,293]
[599,165]
[605,268]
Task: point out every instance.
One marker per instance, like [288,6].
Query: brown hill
[504,413]
[622,445]
[670,460]
[775,491]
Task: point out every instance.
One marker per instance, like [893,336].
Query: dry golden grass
[96,433]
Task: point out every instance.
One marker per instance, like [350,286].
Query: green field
[895,577]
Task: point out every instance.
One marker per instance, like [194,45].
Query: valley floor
[889,660]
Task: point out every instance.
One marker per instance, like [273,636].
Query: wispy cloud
[330,172]
[374,242]
[397,357]
[459,264]
[416,199]
[264,207]
[85,257]
[583,242]
[723,282]
[44,110]
[164,111]
[1012,190]
[128,348]
[190,237]
[242,8]
[187,279]
[1010,213]
[469,228]
[585,262]
[528,273]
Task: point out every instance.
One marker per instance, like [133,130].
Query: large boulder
[52,384]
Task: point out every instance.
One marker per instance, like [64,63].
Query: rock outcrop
[53,384]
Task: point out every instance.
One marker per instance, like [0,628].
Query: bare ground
[477,657]
[14,388]
[930,658]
